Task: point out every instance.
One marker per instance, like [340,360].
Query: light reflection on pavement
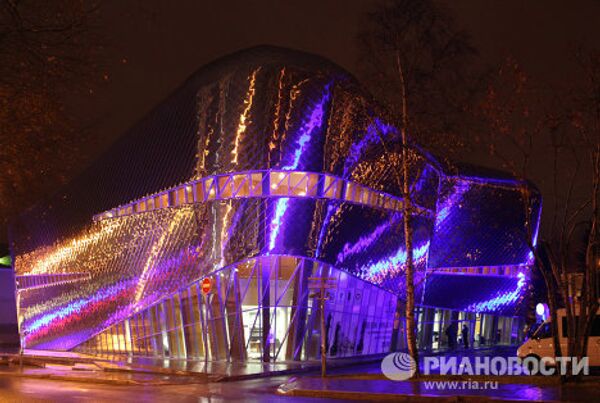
[16,389]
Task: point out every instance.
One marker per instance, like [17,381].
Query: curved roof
[260,108]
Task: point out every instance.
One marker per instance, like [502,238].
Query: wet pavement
[450,389]
[366,382]
[66,378]
[215,370]
[15,389]
[235,370]
[374,367]
[98,376]
[306,388]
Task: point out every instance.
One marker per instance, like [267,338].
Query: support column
[233,307]
[265,302]
[216,322]
[427,328]
[299,310]
[398,339]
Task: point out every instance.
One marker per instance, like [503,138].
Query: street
[16,389]
[364,382]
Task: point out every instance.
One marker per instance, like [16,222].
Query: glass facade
[434,329]
[262,309]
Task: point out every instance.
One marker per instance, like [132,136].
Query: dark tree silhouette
[523,117]
[440,66]
[48,51]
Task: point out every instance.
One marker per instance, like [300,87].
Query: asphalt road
[181,389]
[16,389]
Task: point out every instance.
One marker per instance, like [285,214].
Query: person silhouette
[451,331]
[465,335]
[336,341]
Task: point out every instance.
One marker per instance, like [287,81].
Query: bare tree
[441,70]
[48,51]
[416,62]
[522,119]
[404,179]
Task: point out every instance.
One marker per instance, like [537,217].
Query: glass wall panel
[279,183]
[271,301]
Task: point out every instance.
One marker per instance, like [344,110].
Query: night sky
[153,46]
[165,42]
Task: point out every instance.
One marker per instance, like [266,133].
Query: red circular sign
[206,285]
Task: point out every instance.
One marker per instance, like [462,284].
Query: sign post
[321,284]
[206,285]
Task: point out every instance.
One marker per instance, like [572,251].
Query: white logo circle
[398,366]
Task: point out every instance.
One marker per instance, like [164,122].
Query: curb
[67,378]
[337,394]
[291,371]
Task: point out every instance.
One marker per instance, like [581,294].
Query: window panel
[189,194]
[157,202]
[141,206]
[209,189]
[312,185]
[331,187]
[181,196]
[298,184]
[279,183]
[366,196]
[350,191]
[257,180]
[225,187]
[164,200]
[172,197]
[241,186]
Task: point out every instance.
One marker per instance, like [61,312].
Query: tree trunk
[411,330]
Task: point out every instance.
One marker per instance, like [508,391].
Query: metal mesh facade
[265,156]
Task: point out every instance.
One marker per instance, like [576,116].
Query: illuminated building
[199,231]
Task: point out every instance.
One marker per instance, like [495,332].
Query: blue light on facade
[205,188]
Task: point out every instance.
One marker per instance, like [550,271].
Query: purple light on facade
[330,212]
[393,264]
[58,313]
[164,267]
[421,182]
[54,317]
[499,301]
[531,257]
[375,131]
[491,181]
[313,122]
[363,243]
[445,208]
[302,141]
[281,206]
